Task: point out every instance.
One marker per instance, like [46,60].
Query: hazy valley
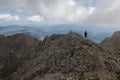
[96,34]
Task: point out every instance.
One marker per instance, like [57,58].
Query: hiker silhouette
[85,34]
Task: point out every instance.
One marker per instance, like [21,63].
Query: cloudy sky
[84,12]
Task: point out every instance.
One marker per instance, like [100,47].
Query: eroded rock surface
[67,57]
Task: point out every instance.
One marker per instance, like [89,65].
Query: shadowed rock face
[12,50]
[113,43]
[64,57]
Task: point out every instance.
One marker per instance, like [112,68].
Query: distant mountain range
[96,34]
[15,29]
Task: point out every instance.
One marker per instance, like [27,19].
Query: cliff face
[112,43]
[64,57]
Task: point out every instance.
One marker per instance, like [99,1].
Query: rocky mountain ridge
[13,51]
[112,43]
[63,57]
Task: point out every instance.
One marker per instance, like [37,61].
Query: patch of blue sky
[87,3]
[92,3]
[5,11]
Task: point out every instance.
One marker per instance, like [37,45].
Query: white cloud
[91,12]
[8,17]
[60,10]
[106,13]
[35,18]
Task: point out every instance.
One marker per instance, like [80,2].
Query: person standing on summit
[85,34]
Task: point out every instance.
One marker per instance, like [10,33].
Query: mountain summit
[66,57]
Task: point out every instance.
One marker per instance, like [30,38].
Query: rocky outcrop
[63,57]
[68,57]
[14,50]
[112,43]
